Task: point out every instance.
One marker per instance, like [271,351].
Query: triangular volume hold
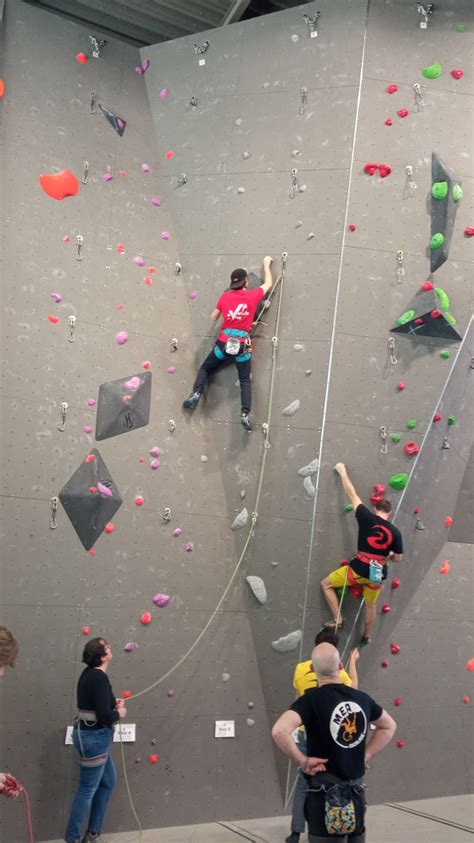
[427,315]
[90,498]
[117,122]
[123,405]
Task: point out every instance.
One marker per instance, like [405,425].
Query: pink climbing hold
[67,239]
[456,73]
[470,665]
[141,69]
[427,285]
[148,280]
[145,618]
[169,154]
[121,338]
[138,261]
[154,465]
[130,647]
[176,533]
[351,227]
[445,568]
[91,402]
[385,663]
[165,235]
[139,501]
[395,649]
[170,693]
[156,202]
[146,168]
[151,270]
[109,528]
[171,370]
[392,89]
[385,609]
[120,248]
[388,122]
[56,297]
[146,364]
[155,452]
[87,428]
[104,490]
[141,459]
[400,743]
[133,383]
[164,93]
[395,583]
[469,232]
[403,112]
[401,386]
[189,547]
[107,177]
[193,294]
[86,630]
[466,699]
[161,600]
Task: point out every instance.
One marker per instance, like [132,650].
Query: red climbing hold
[416,510]
[86,630]
[371,168]
[109,528]
[145,618]
[466,699]
[379,488]
[456,73]
[411,449]
[375,498]
[437,417]
[469,232]
[153,759]
[92,552]
[93,490]
[448,521]
[388,122]
[148,280]
[385,663]
[418,321]
[90,458]
[403,112]
[427,285]
[81,58]
[400,743]
[120,248]
[398,701]
[396,583]
[169,154]
[395,649]
[146,364]
[141,459]
[384,170]
[126,695]
[53,319]
[139,501]
[435,314]
[385,609]
[59,185]
[2,88]
[392,89]
[445,568]
[351,227]
[151,270]
[470,664]
[401,386]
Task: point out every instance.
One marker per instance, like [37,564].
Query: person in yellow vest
[305,678]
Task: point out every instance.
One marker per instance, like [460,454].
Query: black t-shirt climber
[94,693]
[377,538]
[336,719]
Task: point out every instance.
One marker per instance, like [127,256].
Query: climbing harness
[63,407]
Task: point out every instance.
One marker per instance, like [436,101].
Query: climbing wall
[194,180]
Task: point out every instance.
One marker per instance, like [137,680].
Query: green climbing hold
[439,190]
[445,355]
[348,507]
[395,437]
[452,420]
[406,317]
[437,241]
[457,192]
[411,424]
[450,319]
[461,28]
[398,481]
[434,71]
[443,298]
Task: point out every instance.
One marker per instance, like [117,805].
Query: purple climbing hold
[107,177]
[164,94]
[141,69]
[161,600]
[133,383]
[170,693]
[189,547]
[193,294]
[155,452]
[138,261]
[56,297]
[156,202]
[171,370]
[121,338]
[165,235]
[87,428]
[130,647]
[146,168]
[177,532]
[154,464]
[104,490]
[91,402]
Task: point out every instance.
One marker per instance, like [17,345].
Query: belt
[370,557]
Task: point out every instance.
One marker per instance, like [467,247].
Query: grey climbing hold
[225,677]
[292,408]
[250,722]
[250,705]
[241,190]
[311,468]
[246,155]
[258,588]
[240,520]
[309,487]
[204,458]
[298,346]
[295,38]
[310,235]
[242,493]
[308,372]
[303,188]
[299,224]
[288,642]
[274,564]
[266,85]
[238,122]
[295,153]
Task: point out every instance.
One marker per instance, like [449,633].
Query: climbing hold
[395,649]
[165,235]
[107,177]
[118,123]
[156,202]
[456,73]
[450,319]
[153,759]
[395,437]
[401,386]
[154,464]
[411,449]
[445,568]
[120,248]
[384,170]
[348,507]
[457,192]
[225,677]
[398,701]
[258,589]
[164,93]
[138,261]
[298,346]
[86,630]
[375,498]
[148,280]
[146,168]
[130,647]
[416,510]
[171,370]
[176,533]
[378,488]
[398,481]
[240,520]
[400,743]
[193,294]
[90,457]
[436,241]
[392,89]
[385,663]
[448,521]
[121,338]
[292,408]
[451,420]
[427,285]
[403,112]
[470,664]
[109,528]
[155,451]
[395,583]
[171,693]
[310,235]
[242,493]
[469,232]
[439,190]
[445,355]
[145,618]
[139,501]
[385,609]
[81,58]
[189,547]
[411,424]
[141,459]
[437,417]
[91,402]
[143,67]
[87,428]
[309,469]
[138,759]
[443,298]
[461,28]
[250,721]
[419,321]
[146,364]
[435,314]
[351,227]
[53,319]
[246,156]
[126,695]
[466,699]
[102,488]
[433,71]
[388,122]
[371,168]
[169,154]
[56,297]
[309,487]
[308,372]
[206,459]
[405,317]
[161,600]
[59,185]
[288,642]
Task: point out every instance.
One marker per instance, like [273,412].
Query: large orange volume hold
[59,185]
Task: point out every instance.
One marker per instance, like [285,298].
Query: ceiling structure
[144,22]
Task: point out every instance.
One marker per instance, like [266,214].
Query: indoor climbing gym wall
[336,137]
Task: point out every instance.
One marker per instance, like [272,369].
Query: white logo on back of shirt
[348,724]
[240,312]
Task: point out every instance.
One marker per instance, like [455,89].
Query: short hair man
[304,679]
[237,306]
[378,541]
[336,719]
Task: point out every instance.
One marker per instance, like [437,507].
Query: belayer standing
[378,541]
[237,306]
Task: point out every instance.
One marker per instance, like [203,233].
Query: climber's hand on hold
[340,468]
[267,262]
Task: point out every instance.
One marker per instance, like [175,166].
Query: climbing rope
[279,283]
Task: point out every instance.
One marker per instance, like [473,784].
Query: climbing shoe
[191,402]
[293,837]
[245,422]
[89,837]
[364,641]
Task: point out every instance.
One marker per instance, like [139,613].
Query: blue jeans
[298,822]
[95,784]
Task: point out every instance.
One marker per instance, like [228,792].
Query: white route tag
[225,729]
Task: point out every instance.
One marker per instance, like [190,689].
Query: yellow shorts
[343,576]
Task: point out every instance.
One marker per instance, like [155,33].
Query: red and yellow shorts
[346,576]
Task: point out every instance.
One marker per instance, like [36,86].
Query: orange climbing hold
[126,695]
[2,88]
[448,521]
[53,319]
[445,568]
[81,58]
[59,185]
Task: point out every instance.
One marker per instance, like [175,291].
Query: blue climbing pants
[96,783]
[218,358]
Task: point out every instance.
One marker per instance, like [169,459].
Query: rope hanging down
[279,283]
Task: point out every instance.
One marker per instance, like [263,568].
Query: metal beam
[235,12]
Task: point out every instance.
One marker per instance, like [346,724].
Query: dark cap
[238,278]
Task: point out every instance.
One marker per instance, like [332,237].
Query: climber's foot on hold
[364,641]
[191,402]
[334,625]
[245,422]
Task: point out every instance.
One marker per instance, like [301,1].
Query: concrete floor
[444,820]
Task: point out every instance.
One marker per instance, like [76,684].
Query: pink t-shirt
[238,309]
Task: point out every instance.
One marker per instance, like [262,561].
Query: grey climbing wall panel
[340,298]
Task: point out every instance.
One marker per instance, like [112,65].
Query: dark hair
[326,636]
[94,652]
[8,648]
[238,278]
[384,506]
